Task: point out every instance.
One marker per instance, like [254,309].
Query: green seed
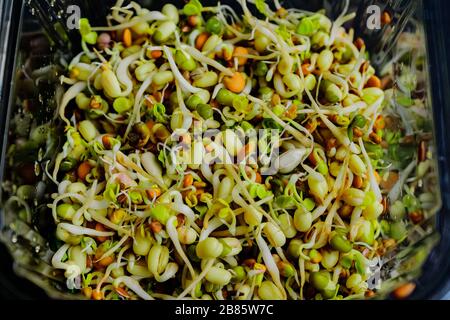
[269,291]
[265,93]
[161,213]
[213,25]
[310,82]
[287,225]
[66,210]
[333,94]
[68,164]
[164,31]
[371,95]
[359,121]
[320,280]
[341,244]
[82,101]
[170,11]
[261,69]
[309,204]
[185,61]
[353,281]
[325,60]
[329,259]
[306,27]
[261,42]
[397,211]
[294,247]
[206,80]
[26,192]
[218,276]
[302,220]
[398,230]
[88,130]
[143,71]
[204,110]
[225,97]
[163,77]
[209,248]
[239,273]
[122,105]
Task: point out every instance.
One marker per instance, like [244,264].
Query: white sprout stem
[396,190]
[151,16]
[173,66]
[173,234]
[213,224]
[134,285]
[114,248]
[197,279]
[70,94]
[202,58]
[122,73]
[79,231]
[136,114]
[372,179]
[269,262]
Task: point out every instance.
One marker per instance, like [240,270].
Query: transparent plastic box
[32,45]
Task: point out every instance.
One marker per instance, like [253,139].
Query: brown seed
[404,290]
[357,182]
[305,69]
[416,217]
[369,293]
[180,219]
[386,82]
[357,132]
[127,38]
[97,295]
[408,139]
[83,170]
[384,202]
[373,81]
[100,227]
[122,199]
[344,273]
[106,261]
[375,138]
[312,158]
[359,43]
[200,40]
[345,211]
[188,180]
[199,184]
[155,226]
[422,152]
[87,292]
[390,180]
[385,18]
[249,262]
[193,20]
[153,193]
[331,143]
[121,291]
[187,75]
[311,126]
[282,12]
[388,243]
[276,100]
[156,54]
[364,67]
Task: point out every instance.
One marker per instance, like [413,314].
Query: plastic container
[24,49]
